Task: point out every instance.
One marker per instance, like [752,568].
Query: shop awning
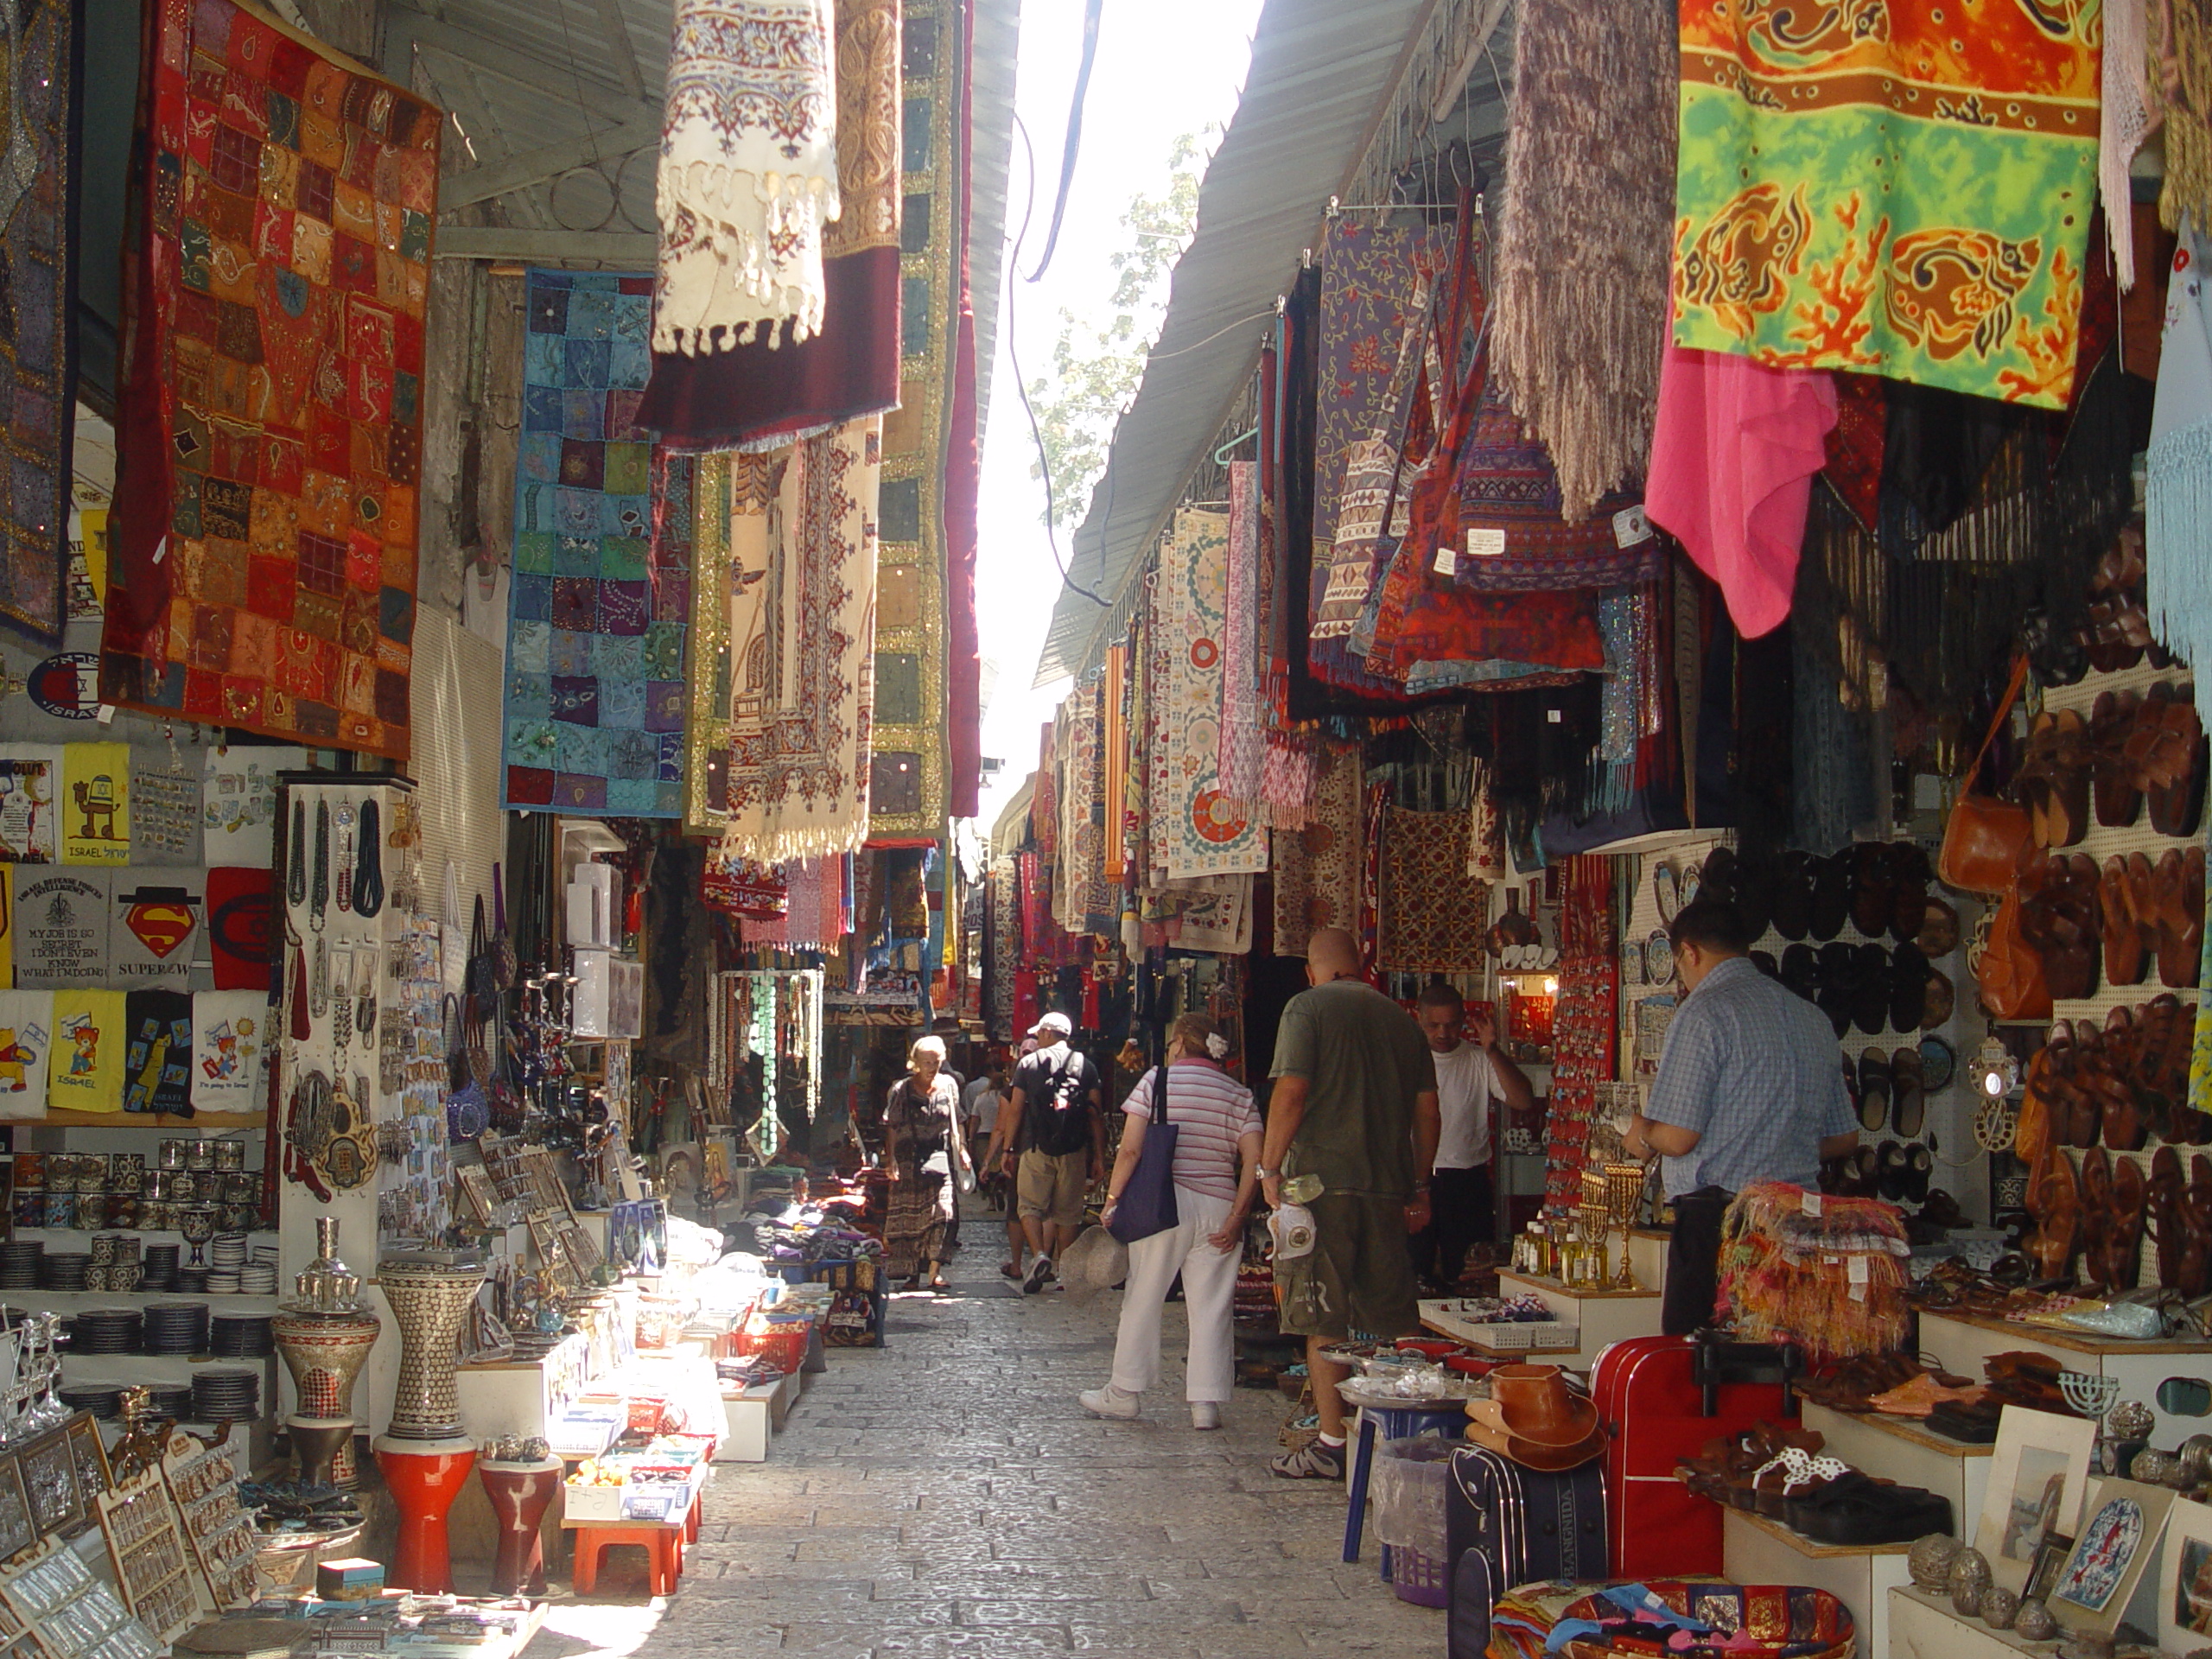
[1320,71]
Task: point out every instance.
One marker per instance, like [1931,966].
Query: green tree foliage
[1097,370]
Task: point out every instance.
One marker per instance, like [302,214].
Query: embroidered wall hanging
[263,564]
[43,60]
[1897,189]
[1429,917]
[1201,832]
[783,622]
[600,596]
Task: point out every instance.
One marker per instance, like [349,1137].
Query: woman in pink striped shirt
[1216,1164]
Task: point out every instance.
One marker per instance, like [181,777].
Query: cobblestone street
[948,1495]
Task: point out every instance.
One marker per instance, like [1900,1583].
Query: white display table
[1963,1341]
[1755,1550]
[1601,1317]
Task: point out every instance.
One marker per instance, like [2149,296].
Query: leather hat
[1532,1404]
[1545,1459]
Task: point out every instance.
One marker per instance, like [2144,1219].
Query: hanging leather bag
[2012,974]
[1985,836]
[1147,1202]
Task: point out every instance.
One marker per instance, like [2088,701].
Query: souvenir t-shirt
[237,802]
[229,1030]
[239,928]
[30,795]
[96,803]
[164,810]
[158,1059]
[26,1034]
[154,935]
[84,1071]
[61,928]
[1364,1061]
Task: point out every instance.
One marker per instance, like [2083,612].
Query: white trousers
[1209,1291]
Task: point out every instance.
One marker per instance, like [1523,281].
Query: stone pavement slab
[946,1497]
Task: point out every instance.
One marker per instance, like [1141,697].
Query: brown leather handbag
[1985,837]
[2011,978]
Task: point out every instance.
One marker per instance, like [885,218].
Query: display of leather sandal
[1939,929]
[1870,1000]
[2169,1202]
[2117,630]
[1793,896]
[2097,1218]
[1919,1170]
[2053,779]
[2195,1277]
[1910,875]
[2113,782]
[2124,1252]
[1755,895]
[1894,1169]
[2177,902]
[1832,888]
[2175,806]
[1873,897]
[2059,921]
[1908,1092]
[1908,974]
[1875,1090]
[2126,956]
[1801,971]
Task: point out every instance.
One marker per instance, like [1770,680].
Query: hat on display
[1545,1459]
[1532,1404]
[1097,1261]
[1056,1021]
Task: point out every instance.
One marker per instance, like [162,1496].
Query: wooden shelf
[2080,1342]
[1561,1287]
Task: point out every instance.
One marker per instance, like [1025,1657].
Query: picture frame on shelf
[2185,1578]
[2038,1476]
[2043,1578]
[18,1531]
[49,1474]
[2122,1524]
[93,1475]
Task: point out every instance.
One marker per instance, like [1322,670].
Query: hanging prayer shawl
[784,596]
[1582,241]
[1430,917]
[747,396]
[262,570]
[2177,522]
[602,589]
[1199,832]
[749,173]
[38,359]
[1896,186]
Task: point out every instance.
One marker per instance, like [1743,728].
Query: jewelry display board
[52,1607]
[203,1484]
[152,1563]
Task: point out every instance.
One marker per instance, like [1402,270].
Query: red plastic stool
[664,1548]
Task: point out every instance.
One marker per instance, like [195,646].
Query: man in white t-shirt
[1470,1075]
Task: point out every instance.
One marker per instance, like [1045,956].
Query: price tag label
[1486,543]
[1813,1202]
[1631,525]
[1447,561]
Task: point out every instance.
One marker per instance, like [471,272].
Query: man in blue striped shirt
[1750,1088]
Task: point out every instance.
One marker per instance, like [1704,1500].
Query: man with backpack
[1054,1125]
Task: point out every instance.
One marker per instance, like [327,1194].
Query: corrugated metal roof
[1320,70]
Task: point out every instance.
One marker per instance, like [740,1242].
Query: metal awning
[1320,70]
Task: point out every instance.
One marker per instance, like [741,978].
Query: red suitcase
[1661,1400]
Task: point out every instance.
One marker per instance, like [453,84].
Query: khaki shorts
[1050,1186]
[1358,1278]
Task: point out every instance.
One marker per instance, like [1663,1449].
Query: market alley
[945,1494]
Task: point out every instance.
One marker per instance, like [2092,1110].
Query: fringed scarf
[2177,525]
[1585,234]
[1831,1278]
[2124,122]
[748,172]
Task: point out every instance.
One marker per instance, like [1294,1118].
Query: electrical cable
[1092,12]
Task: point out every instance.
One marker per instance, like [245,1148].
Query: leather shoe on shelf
[2126,959]
[2053,779]
[1793,896]
[2169,1200]
[1875,1088]
[1908,1092]
[2177,899]
[2175,806]
[2124,1259]
[2119,795]
[1831,905]
[1910,875]
[2059,921]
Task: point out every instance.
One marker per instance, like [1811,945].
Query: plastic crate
[1418,1579]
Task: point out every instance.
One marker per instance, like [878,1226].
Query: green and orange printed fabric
[1892,186]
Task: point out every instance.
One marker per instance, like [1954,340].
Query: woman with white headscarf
[922,1144]
[1216,1172]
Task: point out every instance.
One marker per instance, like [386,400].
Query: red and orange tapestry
[1889,186]
[269,452]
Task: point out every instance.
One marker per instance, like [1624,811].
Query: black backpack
[1060,1122]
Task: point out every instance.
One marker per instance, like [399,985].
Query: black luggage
[1506,1525]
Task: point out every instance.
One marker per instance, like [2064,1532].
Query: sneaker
[1205,1414]
[1039,1271]
[1109,1402]
[1312,1461]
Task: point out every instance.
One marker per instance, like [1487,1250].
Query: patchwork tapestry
[1798,241]
[1317,867]
[268,454]
[783,623]
[1200,832]
[38,360]
[600,596]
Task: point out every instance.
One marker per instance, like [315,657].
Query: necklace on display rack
[319,886]
[368,881]
[296,872]
[345,818]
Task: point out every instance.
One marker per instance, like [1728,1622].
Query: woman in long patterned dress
[923,1146]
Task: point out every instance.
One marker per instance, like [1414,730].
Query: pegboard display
[1646,1002]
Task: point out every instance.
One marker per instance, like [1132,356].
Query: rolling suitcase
[1505,1525]
[1661,1399]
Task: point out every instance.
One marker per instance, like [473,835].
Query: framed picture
[2043,1579]
[17,1531]
[49,1470]
[91,1457]
[2121,1525]
[2037,1476]
[2185,1578]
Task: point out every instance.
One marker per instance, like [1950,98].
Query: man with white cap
[1054,1124]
